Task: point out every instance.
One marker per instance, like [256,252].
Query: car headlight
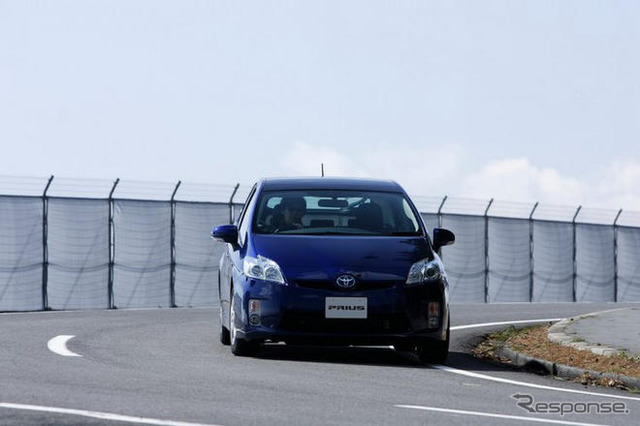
[424,271]
[262,268]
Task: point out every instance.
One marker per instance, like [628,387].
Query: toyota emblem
[346,281]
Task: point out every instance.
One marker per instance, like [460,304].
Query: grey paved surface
[619,329]
[167,365]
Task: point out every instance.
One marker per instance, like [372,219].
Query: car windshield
[330,212]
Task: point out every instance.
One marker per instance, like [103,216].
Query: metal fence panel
[552,262]
[21,254]
[78,254]
[595,264]
[197,255]
[430,221]
[509,260]
[87,253]
[628,264]
[465,260]
[142,237]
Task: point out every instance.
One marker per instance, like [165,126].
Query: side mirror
[226,233]
[442,237]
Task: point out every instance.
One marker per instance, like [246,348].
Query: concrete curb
[558,335]
[560,370]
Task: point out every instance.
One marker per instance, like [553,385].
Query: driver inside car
[288,214]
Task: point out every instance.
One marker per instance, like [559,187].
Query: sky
[515,100]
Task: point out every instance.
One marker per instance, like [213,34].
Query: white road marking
[58,345]
[531,385]
[100,415]
[497,416]
[514,382]
[491,324]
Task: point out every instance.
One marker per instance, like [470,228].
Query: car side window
[243,221]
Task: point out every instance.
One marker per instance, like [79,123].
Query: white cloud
[442,171]
[516,179]
[304,159]
[420,171]
[619,185]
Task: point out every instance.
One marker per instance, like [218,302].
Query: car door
[231,258]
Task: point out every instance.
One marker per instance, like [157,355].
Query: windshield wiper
[328,233]
[405,234]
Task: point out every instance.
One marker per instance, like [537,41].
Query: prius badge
[346,281]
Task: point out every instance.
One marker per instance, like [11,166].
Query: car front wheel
[433,351]
[225,335]
[239,346]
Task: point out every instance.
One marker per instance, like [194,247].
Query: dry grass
[533,341]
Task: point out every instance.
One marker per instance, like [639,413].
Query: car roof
[359,184]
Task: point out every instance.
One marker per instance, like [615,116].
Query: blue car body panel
[302,257]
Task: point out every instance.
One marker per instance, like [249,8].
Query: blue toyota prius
[333,261]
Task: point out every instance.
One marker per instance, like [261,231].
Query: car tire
[239,346]
[225,335]
[433,351]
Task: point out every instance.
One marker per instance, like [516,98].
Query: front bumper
[295,314]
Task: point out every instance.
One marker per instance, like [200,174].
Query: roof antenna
[322,169]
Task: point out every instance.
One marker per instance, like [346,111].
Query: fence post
[486,252]
[444,200]
[172,283]
[45,246]
[440,219]
[231,202]
[575,255]
[112,246]
[535,206]
[615,256]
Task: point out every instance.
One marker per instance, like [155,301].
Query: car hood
[321,257]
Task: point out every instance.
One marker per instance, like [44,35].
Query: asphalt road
[167,367]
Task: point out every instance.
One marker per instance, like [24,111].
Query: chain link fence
[97,244]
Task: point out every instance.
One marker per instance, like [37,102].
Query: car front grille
[313,323]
